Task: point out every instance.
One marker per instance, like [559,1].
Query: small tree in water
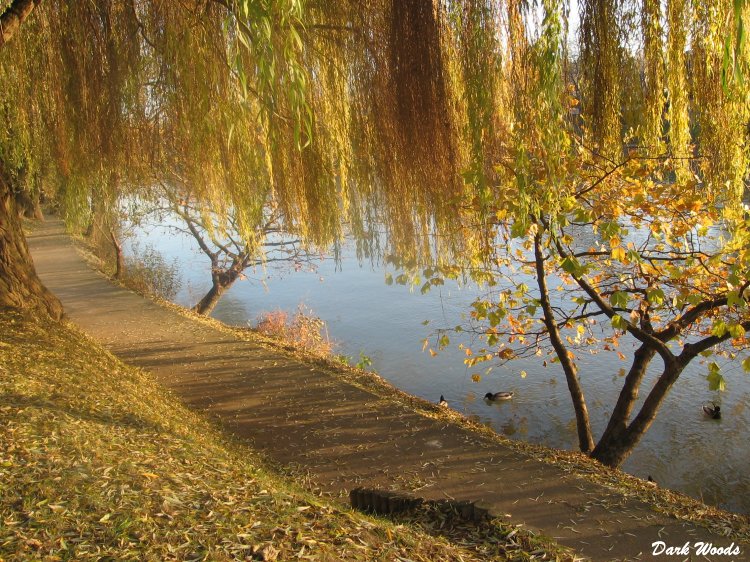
[629,261]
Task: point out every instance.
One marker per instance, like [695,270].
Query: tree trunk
[616,448]
[613,450]
[29,206]
[38,214]
[119,256]
[628,395]
[208,302]
[221,281]
[93,216]
[583,424]
[13,16]
[19,285]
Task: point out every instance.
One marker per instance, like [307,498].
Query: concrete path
[345,436]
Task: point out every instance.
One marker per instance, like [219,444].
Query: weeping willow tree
[135,92]
[418,124]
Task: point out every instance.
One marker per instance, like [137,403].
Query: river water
[683,450]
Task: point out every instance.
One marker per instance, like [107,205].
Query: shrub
[147,271]
[303,330]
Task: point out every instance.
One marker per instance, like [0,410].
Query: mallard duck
[493,397]
[442,402]
[713,411]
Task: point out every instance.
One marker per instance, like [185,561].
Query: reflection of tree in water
[517,425]
[509,428]
[232,310]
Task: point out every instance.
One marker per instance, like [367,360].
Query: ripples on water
[683,450]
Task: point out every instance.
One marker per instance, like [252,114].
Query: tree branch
[691,350]
[638,333]
[197,235]
[14,16]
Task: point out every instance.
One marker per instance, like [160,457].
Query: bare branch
[640,334]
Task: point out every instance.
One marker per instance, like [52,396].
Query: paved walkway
[342,435]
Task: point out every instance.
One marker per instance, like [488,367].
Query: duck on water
[713,411]
[496,396]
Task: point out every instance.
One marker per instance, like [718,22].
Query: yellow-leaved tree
[616,209]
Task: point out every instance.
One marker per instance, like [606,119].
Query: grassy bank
[97,461]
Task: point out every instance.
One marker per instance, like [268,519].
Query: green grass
[97,461]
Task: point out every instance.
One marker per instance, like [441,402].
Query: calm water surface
[683,450]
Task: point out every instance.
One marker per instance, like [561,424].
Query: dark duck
[712,411]
[496,396]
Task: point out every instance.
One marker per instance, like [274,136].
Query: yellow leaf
[476,377]
[619,254]
[523,374]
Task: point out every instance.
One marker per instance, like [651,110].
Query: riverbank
[343,432]
[683,450]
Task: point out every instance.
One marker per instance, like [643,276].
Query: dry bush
[303,330]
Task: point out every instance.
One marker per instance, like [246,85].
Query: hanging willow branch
[653,55]
[420,119]
[601,69]
[678,17]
